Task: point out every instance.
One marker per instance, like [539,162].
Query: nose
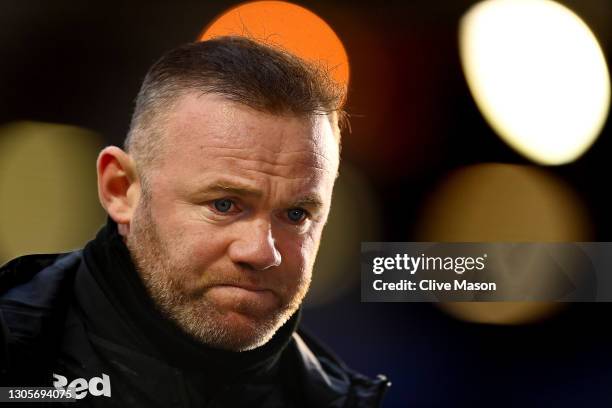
[255,248]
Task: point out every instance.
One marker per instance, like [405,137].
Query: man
[190,295]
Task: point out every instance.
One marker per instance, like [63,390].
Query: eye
[224,205]
[296,214]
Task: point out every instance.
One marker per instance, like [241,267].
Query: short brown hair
[249,72]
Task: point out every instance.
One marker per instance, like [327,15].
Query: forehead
[208,130]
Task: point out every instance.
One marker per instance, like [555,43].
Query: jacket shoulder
[330,382]
[22,269]
[34,294]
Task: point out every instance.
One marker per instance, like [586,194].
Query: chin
[246,332]
[231,330]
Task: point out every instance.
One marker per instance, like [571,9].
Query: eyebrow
[239,189]
[311,200]
[231,188]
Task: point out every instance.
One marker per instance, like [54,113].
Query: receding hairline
[156,127]
[259,76]
[157,130]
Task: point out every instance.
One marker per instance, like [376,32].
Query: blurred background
[469,122]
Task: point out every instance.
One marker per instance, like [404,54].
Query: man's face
[227,230]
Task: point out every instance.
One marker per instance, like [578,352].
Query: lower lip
[239,293]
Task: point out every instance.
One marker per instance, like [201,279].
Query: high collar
[135,322]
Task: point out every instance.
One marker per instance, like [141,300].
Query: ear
[118,185]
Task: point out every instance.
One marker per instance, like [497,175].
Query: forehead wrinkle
[251,155]
[274,175]
[309,165]
[277,153]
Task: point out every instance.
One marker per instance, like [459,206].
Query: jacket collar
[330,383]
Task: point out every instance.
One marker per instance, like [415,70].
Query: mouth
[252,288]
[243,286]
[232,294]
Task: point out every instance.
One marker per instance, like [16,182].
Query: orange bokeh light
[286,25]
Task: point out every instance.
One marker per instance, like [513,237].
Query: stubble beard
[197,317]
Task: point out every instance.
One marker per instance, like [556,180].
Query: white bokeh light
[538,75]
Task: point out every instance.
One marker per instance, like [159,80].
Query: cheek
[205,248]
[192,244]
[298,256]
[202,246]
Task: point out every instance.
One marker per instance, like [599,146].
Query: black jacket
[47,303]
